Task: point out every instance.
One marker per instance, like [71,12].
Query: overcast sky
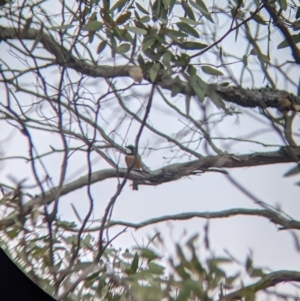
[209,192]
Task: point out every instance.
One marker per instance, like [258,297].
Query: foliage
[183,80]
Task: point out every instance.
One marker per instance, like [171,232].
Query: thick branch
[273,217]
[268,280]
[284,30]
[265,97]
[166,174]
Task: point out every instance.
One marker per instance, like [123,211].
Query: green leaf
[154,71]
[176,33]
[296,25]
[167,59]
[297,13]
[147,253]
[257,273]
[257,18]
[26,27]
[295,170]
[113,45]
[284,43]
[13,233]
[145,19]
[182,60]
[199,87]
[81,265]
[119,5]
[216,99]
[101,46]
[201,7]
[123,18]
[160,39]
[155,268]
[66,26]
[37,39]
[76,213]
[92,26]
[248,264]
[166,3]
[264,58]
[187,103]
[175,90]
[192,45]
[123,48]
[187,9]
[188,29]
[211,71]
[136,30]
[135,263]
[140,8]
[245,59]
[191,70]
[282,4]
[148,43]
[189,21]
[240,3]
[172,3]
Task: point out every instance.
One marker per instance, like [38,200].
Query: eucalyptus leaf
[123,18]
[135,263]
[141,9]
[136,30]
[148,43]
[92,26]
[176,33]
[257,18]
[166,3]
[192,45]
[264,58]
[297,13]
[189,21]
[216,99]
[123,48]
[284,43]
[188,29]
[37,39]
[187,103]
[282,4]
[293,171]
[199,91]
[187,9]
[66,26]
[154,70]
[119,5]
[201,7]
[145,19]
[211,71]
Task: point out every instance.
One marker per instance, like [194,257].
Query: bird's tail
[134,185]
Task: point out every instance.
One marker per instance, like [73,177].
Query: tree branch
[266,281]
[264,97]
[273,217]
[284,30]
[163,175]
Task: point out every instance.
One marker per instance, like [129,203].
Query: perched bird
[133,158]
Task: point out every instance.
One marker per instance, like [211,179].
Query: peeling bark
[264,97]
[166,174]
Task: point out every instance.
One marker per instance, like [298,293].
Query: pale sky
[271,249]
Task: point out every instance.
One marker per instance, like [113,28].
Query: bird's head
[130,149]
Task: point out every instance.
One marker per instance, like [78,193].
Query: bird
[133,160]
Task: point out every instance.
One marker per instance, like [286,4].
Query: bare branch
[166,174]
[267,280]
[273,217]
